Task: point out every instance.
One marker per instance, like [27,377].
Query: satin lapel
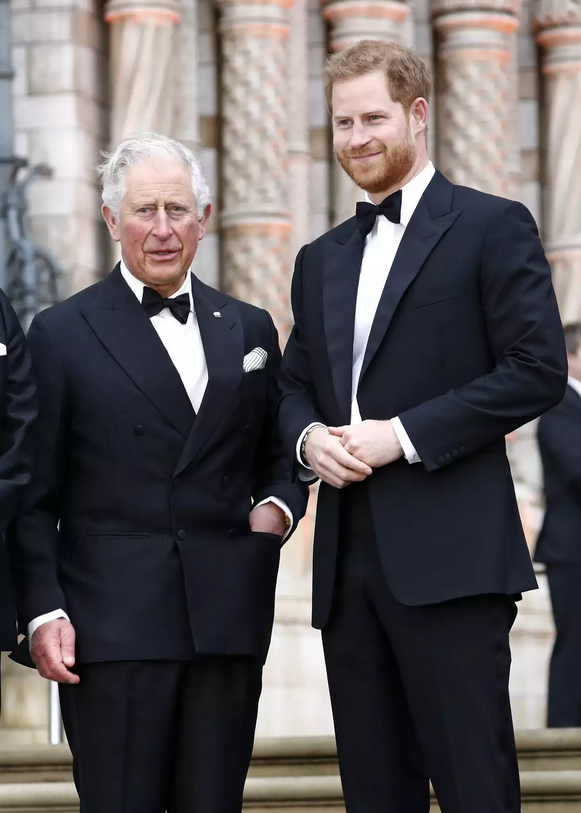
[124,329]
[342,265]
[223,341]
[421,236]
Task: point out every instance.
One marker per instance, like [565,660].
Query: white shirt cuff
[283,507]
[408,447]
[43,619]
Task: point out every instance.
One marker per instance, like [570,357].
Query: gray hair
[147,147]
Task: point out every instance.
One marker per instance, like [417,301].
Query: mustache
[363,152]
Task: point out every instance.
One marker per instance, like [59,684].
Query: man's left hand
[268,519]
[372,442]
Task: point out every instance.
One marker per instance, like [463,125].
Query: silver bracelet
[304,460]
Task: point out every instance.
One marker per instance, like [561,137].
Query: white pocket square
[2,349]
[255,360]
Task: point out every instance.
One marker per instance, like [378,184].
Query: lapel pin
[217,314]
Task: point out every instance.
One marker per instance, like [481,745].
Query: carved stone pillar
[558,23]
[298,126]
[476,106]
[255,218]
[143,48]
[351,21]
[187,124]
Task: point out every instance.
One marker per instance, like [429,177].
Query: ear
[204,220]
[419,116]
[112,223]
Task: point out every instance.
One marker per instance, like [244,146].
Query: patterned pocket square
[255,360]
[3,349]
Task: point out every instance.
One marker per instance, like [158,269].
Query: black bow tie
[153,303]
[367,213]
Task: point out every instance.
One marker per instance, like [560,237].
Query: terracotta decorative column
[298,126]
[558,23]
[144,44]
[476,120]
[351,21]
[256,221]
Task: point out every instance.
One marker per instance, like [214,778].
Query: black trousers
[418,693]
[156,736]
[565,672]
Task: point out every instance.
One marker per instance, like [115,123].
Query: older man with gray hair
[148,551]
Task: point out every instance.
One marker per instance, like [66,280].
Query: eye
[143,210]
[178,209]
[343,123]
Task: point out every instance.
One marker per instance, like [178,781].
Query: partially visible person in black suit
[559,543]
[426,329]
[18,411]
[148,552]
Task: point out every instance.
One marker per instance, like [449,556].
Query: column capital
[355,20]
[558,26]
[552,13]
[511,7]
[163,10]
[262,18]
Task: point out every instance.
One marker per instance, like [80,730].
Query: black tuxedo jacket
[137,519]
[559,436]
[18,410]
[466,346]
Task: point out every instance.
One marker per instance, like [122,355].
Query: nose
[162,228]
[360,136]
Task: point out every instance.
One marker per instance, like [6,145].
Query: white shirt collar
[575,384]
[412,192]
[137,285]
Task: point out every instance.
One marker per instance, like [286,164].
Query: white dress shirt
[186,351]
[381,245]
[575,384]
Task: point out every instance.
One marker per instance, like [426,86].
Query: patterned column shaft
[187,124]
[143,48]
[476,106]
[255,219]
[351,21]
[558,24]
[298,126]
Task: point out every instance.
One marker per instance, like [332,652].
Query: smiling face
[378,144]
[158,224]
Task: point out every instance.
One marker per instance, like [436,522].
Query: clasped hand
[341,455]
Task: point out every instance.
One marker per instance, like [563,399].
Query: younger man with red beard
[426,330]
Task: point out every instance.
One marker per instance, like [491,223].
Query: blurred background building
[240,82]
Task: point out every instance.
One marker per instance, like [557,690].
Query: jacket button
[462,449]
[232,533]
[455,454]
[181,534]
[225,479]
[139,430]
[440,461]
[248,427]
[176,481]
[448,458]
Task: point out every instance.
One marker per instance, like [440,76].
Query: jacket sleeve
[273,471]
[559,436]
[33,539]
[526,338]
[18,417]
[298,408]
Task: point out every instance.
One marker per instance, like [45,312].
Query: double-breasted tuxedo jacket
[18,411]
[465,347]
[137,520]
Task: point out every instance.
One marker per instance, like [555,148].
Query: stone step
[544,750]
[543,792]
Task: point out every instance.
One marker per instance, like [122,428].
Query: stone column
[255,217]
[476,106]
[298,126]
[558,23]
[144,44]
[187,123]
[351,21]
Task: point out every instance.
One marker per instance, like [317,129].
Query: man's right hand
[53,650]
[331,462]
